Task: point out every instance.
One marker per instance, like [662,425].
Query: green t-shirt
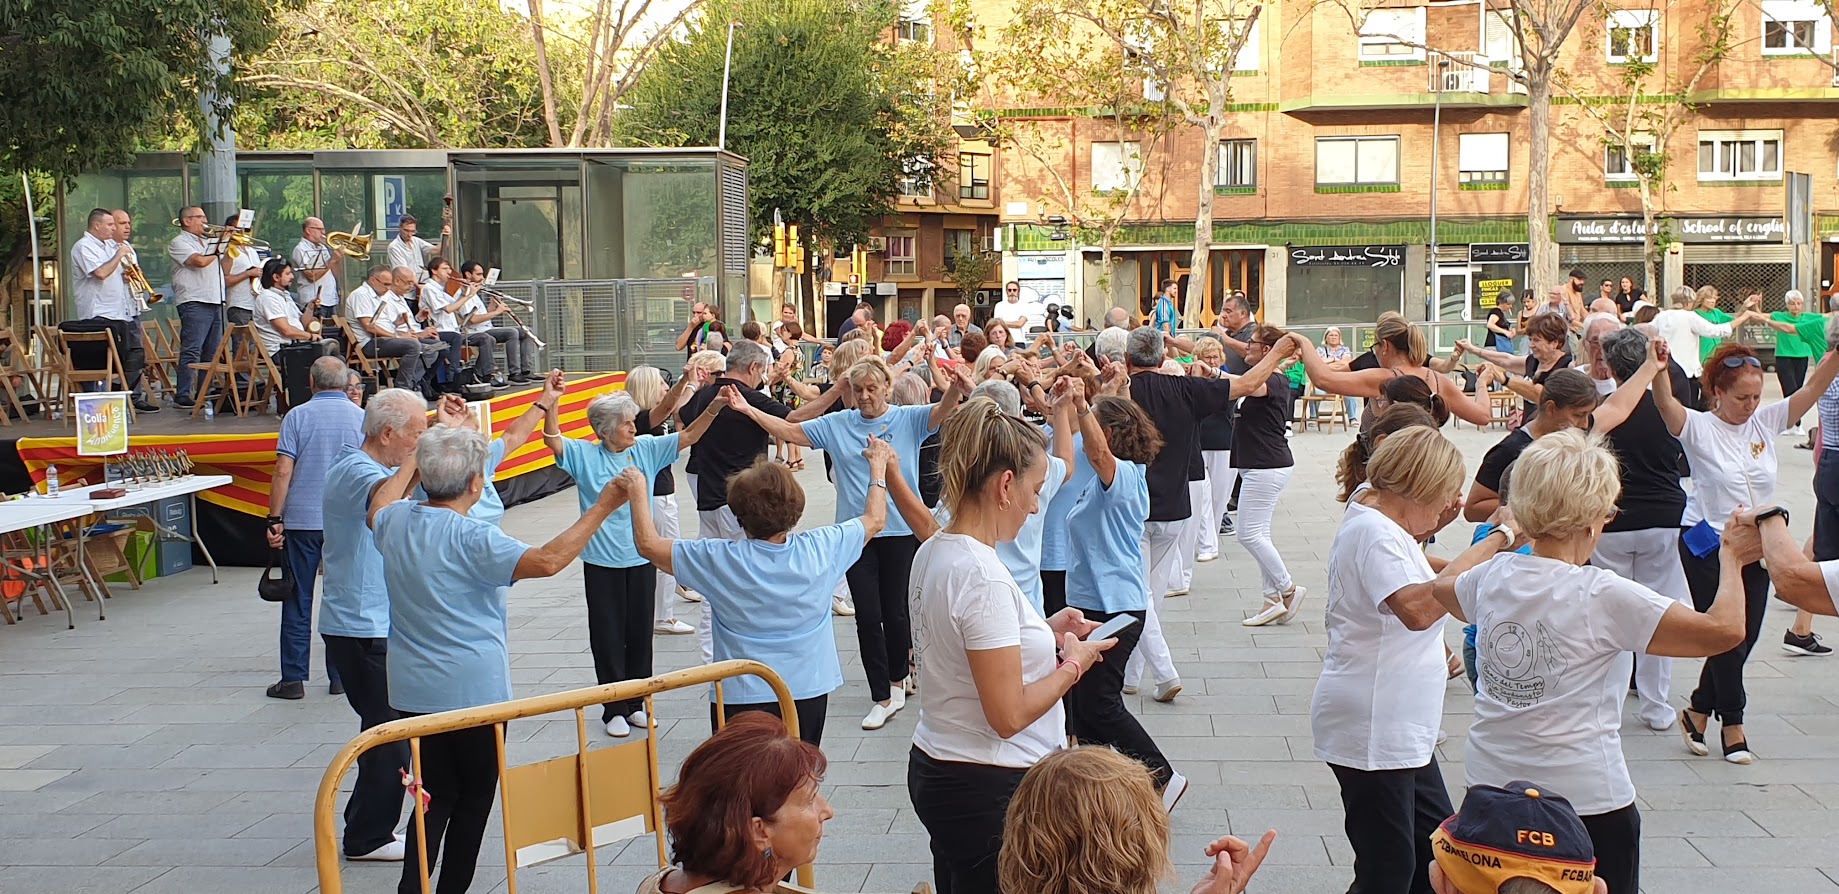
[1707,345]
[1808,338]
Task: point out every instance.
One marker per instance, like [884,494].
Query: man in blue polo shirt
[312,437]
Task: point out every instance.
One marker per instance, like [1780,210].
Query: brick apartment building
[1323,201]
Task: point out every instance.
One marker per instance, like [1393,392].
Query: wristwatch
[1772,512]
[879,482]
[1503,529]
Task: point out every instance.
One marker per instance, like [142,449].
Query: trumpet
[352,245]
[138,287]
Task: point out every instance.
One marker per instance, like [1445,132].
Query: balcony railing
[1461,72]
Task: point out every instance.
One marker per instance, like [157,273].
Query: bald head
[402,280]
[124,224]
[961,315]
[1118,317]
[314,230]
[1604,306]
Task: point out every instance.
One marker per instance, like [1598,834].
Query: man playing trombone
[520,346]
[313,261]
[198,290]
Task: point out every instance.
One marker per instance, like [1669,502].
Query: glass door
[1452,294]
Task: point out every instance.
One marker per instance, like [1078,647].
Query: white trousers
[1649,557]
[1161,542]
[1214,497]
[1190,537]
[664,517]
[1257,504]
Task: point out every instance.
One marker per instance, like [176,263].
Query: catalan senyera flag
[249,459]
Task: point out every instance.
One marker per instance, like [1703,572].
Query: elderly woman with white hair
[878,580]
[1800,337]
[449,577]
[1554,637]
[658,406]
[620,584]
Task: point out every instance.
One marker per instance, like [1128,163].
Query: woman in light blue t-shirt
[1106,576]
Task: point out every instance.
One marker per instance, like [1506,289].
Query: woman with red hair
[745,810]
[1732,450]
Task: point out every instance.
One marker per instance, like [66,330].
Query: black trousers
[1616,835]
[878,582]
[1720,691]
[1826,507]
[376,799]
[1390,815]
[962,807]
[1792,373]
[460,772]
[810,712]
[1053,592]
[619,609]
[1095,707]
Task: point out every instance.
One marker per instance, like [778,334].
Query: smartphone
[1110,628]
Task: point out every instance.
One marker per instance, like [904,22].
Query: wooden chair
[373,367]
[70,377]
[14,365]
[162,350]
[1324,410]
[247,361]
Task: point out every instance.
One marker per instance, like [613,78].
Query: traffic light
[795,250]
[780,258]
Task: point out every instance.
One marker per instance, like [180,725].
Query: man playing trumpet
[518,343]
[198,289]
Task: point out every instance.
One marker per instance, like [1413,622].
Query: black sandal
[1695,737]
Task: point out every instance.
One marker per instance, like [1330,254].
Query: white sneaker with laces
[618,728]
[1171,794]
[639,719]
[391,852]
[673,627]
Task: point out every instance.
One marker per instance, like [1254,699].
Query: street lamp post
[721,137]
[1436,135]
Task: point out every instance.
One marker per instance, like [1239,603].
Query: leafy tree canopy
[824,105]
[87,83]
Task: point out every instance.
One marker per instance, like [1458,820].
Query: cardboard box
[143,555]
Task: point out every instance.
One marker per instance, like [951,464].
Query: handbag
[275,589]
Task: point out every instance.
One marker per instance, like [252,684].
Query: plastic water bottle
[210,409]
[51,480]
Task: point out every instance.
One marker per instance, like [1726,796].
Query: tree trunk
[1538,181]
[537,37]
[1650,244]
[1201,262]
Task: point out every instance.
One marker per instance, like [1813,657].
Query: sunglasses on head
[1736,362]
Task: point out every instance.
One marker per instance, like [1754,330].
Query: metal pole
[217,151]
[1436,134]
[38,315]
[721,138]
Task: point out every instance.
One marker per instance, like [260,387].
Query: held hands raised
[633,482]
[452,413]
[880,455]
[1234,864]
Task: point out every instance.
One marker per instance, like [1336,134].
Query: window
[959,243]
[1238,164]
[1740,155]
[1795,27]
[1633,35]
[916,177]
[1393,34]
[1248,57]
[1116,166]
[1347,161]
[1481,157]
[901,260]
[973,175]
[915,22]
[1617,165]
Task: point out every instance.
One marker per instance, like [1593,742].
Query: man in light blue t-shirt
[313,435]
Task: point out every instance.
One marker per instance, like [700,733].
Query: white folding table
[188,487]
[42,513]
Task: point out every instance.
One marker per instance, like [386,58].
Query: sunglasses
[1738,362]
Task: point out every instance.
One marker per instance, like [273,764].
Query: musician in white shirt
[239,281]
[277,319]
[314,262]
[518,343]
[98,261]
[441,310]
[383,328]
[412,251]
[198,290]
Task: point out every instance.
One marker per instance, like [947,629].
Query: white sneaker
[688,594]
[672,626]
[618,728]
[1130,689]
[1207,557]
[1442,736]
[841,606]
[639,719]
[1295,598]
[1181,592]
[1171,794]
[898,699]
[1167,690]
[1272,611]
[392,852]
[878,716]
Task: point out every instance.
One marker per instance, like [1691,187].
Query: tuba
[351,245]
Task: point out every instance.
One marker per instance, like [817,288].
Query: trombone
[235,240]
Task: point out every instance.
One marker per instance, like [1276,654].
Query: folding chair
[70,376]
[162,352]
[372,367]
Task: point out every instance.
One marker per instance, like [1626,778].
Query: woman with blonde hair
[1378,704]
[990,682]
[1554,640]
[1088,821]
[657,409]
[878,580]
[1401,350]
[1216,461]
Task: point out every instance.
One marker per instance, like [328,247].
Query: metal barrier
[604,325]
[557,807]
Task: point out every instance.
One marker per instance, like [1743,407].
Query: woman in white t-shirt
[990,681]
[1379,702]
[1554,641]
[1732,452]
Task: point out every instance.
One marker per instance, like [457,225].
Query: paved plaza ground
[139,754]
